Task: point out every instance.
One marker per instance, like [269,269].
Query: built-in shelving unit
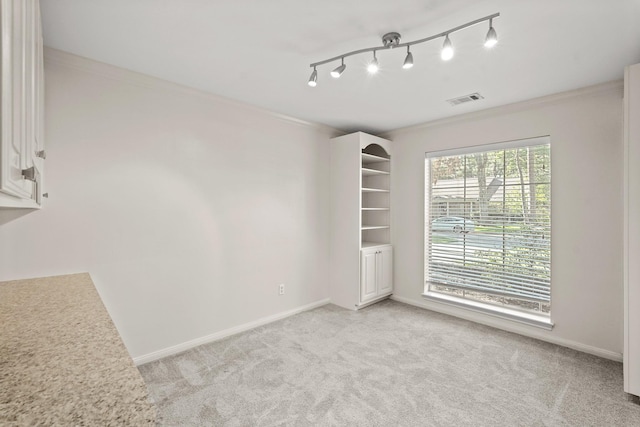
[361,253]
[375,196]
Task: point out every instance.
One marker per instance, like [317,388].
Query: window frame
[513,313]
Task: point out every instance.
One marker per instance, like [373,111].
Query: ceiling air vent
[466,98]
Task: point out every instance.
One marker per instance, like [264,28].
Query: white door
[385,269]
[368,275]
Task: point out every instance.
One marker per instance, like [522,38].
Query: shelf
[375,209]
[370,158]
[365,245]
[373,190]
[372,172]
[374,227]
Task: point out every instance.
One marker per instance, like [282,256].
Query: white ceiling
[259,51]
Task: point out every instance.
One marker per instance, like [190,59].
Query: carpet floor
[387,365]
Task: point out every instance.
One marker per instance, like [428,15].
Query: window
[488,226]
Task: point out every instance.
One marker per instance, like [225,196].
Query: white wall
[587,208]
[186,209]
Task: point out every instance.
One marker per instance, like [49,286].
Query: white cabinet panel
[385,262]
[376,274]
[368,275]
[21,103]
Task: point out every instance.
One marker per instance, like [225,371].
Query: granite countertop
[62,361]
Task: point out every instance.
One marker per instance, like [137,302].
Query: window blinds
[488,220]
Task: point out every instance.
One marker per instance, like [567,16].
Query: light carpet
[387,365]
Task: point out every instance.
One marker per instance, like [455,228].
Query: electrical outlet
[281,289]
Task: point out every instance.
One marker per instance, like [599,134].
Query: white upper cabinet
[21,104]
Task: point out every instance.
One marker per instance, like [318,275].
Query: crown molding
[81,63]
[56,56]
[612,86]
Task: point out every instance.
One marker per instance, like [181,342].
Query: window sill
[539,321]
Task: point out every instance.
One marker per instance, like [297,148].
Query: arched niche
[376,150]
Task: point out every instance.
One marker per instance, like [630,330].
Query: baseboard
[507,326]
[179,348]
[373,301]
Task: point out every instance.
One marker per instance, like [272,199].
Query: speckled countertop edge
[62,361]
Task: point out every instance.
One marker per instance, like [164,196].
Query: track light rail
[392,41]
[426,39]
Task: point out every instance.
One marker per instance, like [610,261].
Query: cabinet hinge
[29,174]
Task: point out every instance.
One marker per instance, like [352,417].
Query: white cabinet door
[368,275]
[21,105]
[13,82]
[376,273]
[385,268]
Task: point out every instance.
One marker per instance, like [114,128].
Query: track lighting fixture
[492,37]
[392,40]
[339,70]
[447,49]
[408,61]
[313,80]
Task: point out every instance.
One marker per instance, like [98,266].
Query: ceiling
[259,52]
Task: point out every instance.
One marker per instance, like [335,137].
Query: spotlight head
[492,38]
[408,61]
[313,80]
[373,66]
[447,49]
[338,71]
